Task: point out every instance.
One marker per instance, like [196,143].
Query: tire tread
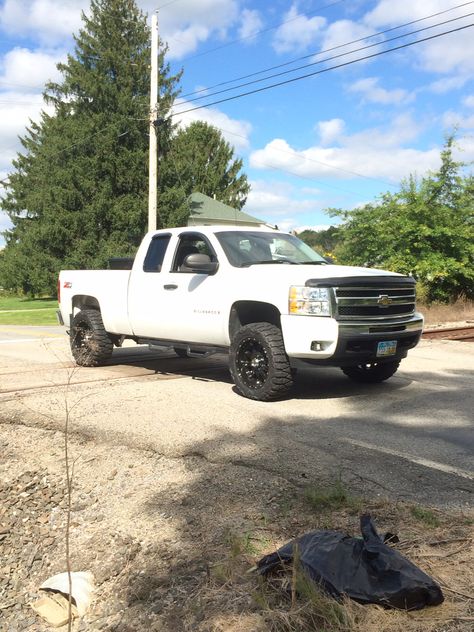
[103,345]
[280,381]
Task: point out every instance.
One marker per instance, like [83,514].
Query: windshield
[246,248]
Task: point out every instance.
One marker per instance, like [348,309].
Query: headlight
[309,301]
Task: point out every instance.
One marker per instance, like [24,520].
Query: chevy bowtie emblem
[384,300]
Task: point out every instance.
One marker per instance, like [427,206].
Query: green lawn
[16,302]
[27,311]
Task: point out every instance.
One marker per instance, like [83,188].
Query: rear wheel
[90,343]
[258,362]
[371,372]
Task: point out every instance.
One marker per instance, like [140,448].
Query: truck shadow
[310,383]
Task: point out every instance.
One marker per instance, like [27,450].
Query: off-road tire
[90,343]
[258,362]
[371,372]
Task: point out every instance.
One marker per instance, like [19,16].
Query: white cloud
[278,202]
[331,130]
[186,24]
[29,70]
[446,54]
[315,227]
[455,120]
[387,12]
[50,21]
[251,23]
[342,31]
[371,92]
[297,32]
[375,153]
[236,132]
[16,108]
[469,101]
[446,84]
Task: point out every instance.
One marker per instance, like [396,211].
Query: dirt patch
[170,542]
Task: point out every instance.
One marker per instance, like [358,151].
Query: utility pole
[153,157]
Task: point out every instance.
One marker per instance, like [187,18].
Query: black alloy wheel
[258,362]
[91,345]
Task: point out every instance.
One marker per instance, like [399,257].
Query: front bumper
[347,343]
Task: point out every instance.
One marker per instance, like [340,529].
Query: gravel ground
[170,541]
[135,524]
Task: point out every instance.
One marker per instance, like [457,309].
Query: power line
[324,70]
[167,4]
[326,50]
[320,61]
[269,28]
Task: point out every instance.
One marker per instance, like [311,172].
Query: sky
[336,139]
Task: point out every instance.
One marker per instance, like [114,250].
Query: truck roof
[210,229]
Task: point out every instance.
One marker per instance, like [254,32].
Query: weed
[292,602]
[425,515]
[241,544]
[438,313]
[331,498]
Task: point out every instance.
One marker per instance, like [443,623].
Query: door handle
[170,286]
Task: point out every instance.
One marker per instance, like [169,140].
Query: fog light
[316,346]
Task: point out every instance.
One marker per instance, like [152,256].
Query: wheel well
[245,312]
[82,301]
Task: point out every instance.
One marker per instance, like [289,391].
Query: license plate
[386,348]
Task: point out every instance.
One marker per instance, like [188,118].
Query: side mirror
[200,264]
[329,259]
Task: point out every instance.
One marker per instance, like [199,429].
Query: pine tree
[78,194]
[200,159]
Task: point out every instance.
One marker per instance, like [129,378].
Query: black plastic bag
[365,569]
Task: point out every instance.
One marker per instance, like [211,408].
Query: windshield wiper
[314,263]
[247,264]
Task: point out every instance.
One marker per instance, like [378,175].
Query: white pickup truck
[261,295]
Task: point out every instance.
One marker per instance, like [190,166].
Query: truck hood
[299,274]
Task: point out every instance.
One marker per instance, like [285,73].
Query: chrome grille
[374,301]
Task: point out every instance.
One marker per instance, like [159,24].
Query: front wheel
[371,372]
[90,343]
[258,362]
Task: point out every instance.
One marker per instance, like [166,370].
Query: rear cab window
[156,253]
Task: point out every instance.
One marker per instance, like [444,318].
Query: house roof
[205,210]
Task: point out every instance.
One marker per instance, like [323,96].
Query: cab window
[190,244]
[156,253]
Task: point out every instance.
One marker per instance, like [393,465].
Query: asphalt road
[409,439]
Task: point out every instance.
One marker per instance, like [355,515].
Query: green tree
[200,160]
[425,229]
[78,194]
[323,241]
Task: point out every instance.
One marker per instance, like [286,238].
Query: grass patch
[426,516]
[42,317]
[16,310]
[22,303]
[331,498]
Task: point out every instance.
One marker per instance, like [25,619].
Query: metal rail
[465,334]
